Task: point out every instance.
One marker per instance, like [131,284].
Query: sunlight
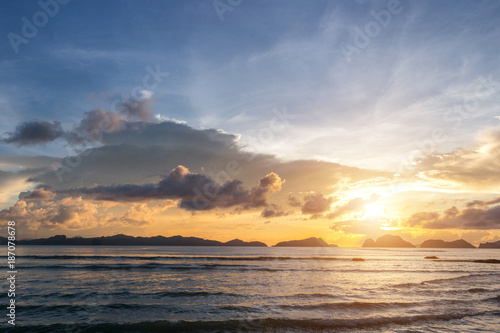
[373,210]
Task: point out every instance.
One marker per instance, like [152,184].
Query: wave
[212,266]
[228,258]
[351,305]
[439,281]
[121,294]
[248,325]
[482,261]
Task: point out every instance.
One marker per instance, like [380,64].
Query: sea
[79,289]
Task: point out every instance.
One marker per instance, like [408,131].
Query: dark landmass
[493,245]
[438,244]
[124,240]
[309,242]
[431,257]
[387,241]
[238,242]
[3,241]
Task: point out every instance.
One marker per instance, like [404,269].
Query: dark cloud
[421,217]
[195,191]
[92,126]
[35,132]
[135,109]
[37,194]
[316,203]
[469,218]
[273,211]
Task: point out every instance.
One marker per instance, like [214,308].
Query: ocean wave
[249,325]
[481,261]
[213,266]
[443,280]
[350,305]
[228,258]
[122,294]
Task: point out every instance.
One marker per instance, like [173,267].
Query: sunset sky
[258,120]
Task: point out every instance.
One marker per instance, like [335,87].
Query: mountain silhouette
[439,243]
[387,241]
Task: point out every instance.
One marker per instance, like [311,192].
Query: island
[387,241]
[124,240]
[440,244]
[308,242]
[492,245]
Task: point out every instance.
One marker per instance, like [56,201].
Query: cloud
[470,218]
[195,191]
[482,203]
[143,214]
[294,201]
[136,109]
[316,203]
[89,129]
[352,205]
[37,194]
[68,213]
[11,183]
[93,124]
[475,168]
[273,211]
[35,132]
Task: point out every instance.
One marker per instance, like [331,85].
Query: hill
[439,244]
[387,241]
[308,242]
[124,240]
[492,245]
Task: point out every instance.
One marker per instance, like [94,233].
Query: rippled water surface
[231,289]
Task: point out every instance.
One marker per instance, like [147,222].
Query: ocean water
[242,289]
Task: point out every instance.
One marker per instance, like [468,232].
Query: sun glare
[373,210]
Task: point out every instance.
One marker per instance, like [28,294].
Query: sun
[373,210]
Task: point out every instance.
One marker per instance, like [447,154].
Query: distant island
[492,245]
[387,241]
[439,243]
[308,242]
[124,240]
[397,241]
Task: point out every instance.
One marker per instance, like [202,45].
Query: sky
[258,120]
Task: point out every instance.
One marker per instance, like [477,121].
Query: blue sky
[405,87]
[231,74]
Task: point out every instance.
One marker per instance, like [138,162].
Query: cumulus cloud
[35,132]
[89,129]
[294,201]
[135,109]
[68,213]
[316,203]
[93,125]
[273,211]
[37,194]
[470,218]
[195,191]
